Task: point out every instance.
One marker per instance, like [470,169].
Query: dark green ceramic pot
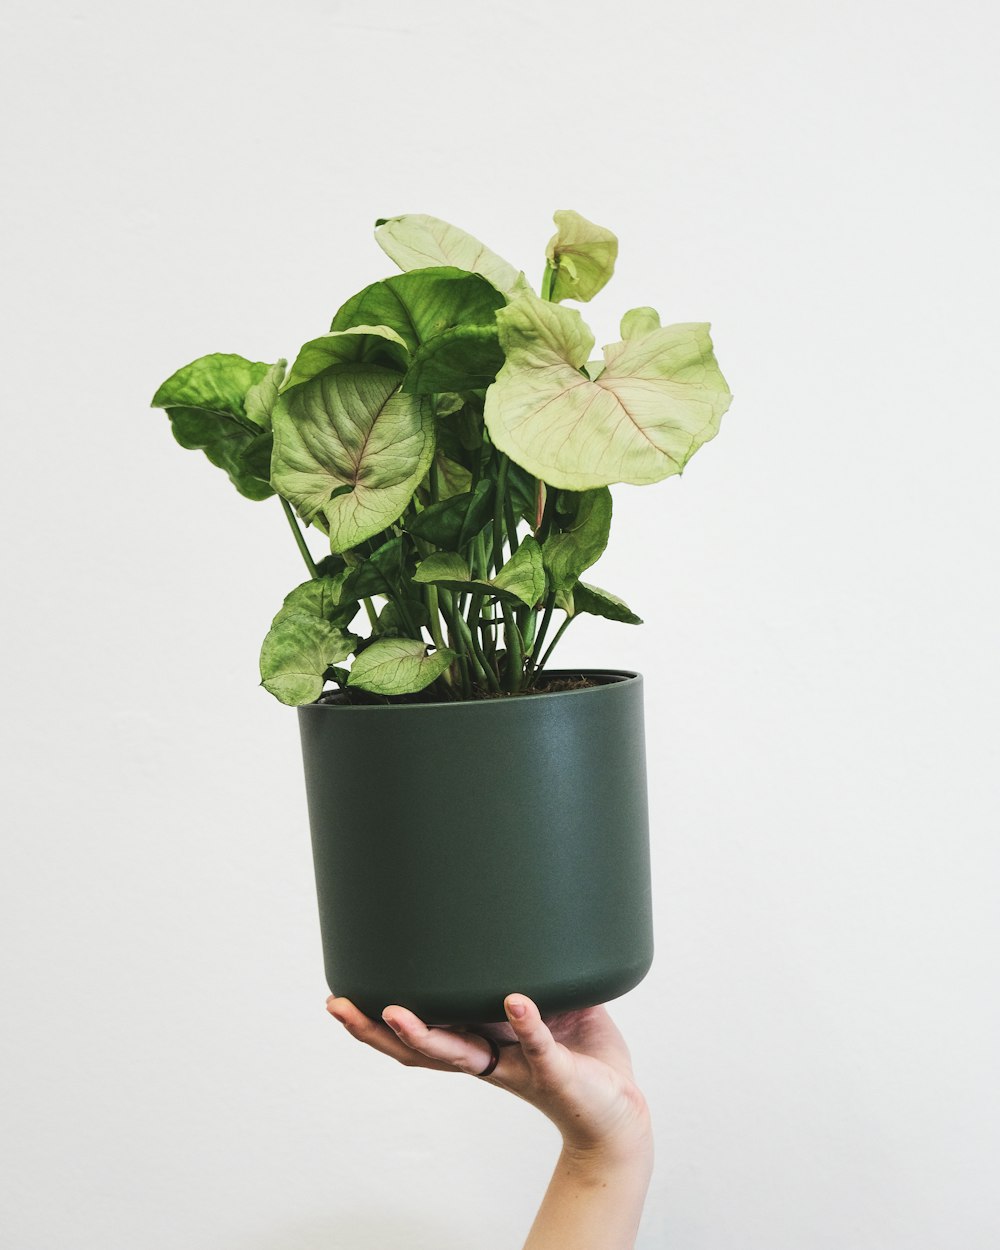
[464,851]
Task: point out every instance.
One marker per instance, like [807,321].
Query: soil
[556,684]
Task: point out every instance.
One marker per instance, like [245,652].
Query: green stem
[515,651]
[550,604]
[548,513]
[498,511]
[548,278]
[472,628]
[552,646]
[299,537]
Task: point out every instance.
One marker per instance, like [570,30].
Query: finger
[544,1055]
[464,1052]
[377,1035]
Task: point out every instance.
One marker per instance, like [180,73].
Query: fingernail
[516,1008]
[389,1020]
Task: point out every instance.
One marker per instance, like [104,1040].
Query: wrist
[630,1148]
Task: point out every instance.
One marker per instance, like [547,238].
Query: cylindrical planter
[468,850]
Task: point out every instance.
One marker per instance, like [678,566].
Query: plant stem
[498,512]
[552,646]
[550,604]
[548,277]
[299,537]
[472,629]
[515,650]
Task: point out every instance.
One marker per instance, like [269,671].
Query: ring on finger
[494,1055]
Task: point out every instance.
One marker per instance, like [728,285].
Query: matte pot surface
[468,850]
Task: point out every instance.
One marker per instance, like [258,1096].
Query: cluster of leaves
[454,441]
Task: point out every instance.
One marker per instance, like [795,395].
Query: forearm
[594,1201]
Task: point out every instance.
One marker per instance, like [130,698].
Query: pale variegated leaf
[398,666]
[582,256]
[659,398]
[351,448]
[417,241]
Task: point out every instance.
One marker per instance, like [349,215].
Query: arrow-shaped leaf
[659,398]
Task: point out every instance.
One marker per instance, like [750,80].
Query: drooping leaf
[378,345]
[581,539]
[451,523]
[463,358]
[597,602]
[351,426]
[297,651]
[206,403]
[659,398]
[421,305]
[398,666]
[416,241]
[582,255]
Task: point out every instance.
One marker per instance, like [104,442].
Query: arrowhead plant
[453,442]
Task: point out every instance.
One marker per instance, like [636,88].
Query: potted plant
[478,818]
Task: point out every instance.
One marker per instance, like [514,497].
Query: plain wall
[818,1036]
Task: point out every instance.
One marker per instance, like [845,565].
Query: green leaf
[453,478]
[296,654]
[260,399]
[659,398]
[521,580]
[524,573]
[421,305]
[451,523]
[378,345]
[206,402]
[383,571]
[391,623]
[463,358]
[416,241]
[255,456]
[398,666]
[597,602]
[581,540]
[582,255]
[322,598]
[351,426]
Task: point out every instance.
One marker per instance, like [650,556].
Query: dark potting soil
[362,698]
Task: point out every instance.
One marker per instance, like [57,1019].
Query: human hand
[575,1067]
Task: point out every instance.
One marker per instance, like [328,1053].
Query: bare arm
[576,1069]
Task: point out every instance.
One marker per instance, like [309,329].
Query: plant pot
[467,850]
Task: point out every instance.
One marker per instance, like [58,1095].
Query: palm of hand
[574,1067]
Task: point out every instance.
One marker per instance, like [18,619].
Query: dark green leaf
[597,602]
[391,621]
[582,538]
[459,359]
[422,304]
[206,402]
[451,523]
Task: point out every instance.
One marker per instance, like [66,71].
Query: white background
[819,1034]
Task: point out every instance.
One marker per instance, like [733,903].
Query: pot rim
[622,677]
